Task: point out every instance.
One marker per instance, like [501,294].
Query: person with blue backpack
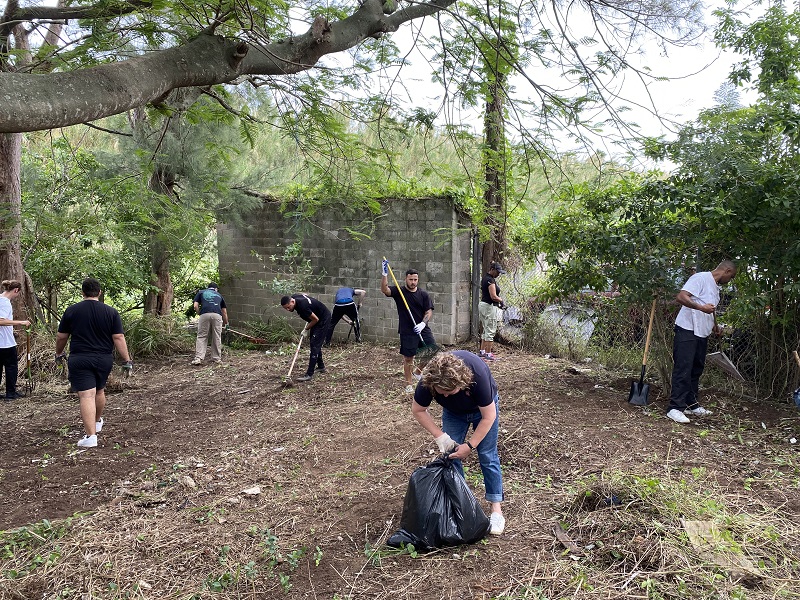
[210,305]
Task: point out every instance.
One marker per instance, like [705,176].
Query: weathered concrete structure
[427,234]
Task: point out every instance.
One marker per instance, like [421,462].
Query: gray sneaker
[699,411]
[304,378]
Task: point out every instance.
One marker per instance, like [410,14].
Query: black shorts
[87,371]
[410,343]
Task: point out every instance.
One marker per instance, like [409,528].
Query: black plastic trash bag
[439,509]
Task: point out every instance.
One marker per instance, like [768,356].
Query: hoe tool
[288,381]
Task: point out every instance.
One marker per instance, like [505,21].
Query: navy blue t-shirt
[304,305]
[210,301]
[480,393]
[418,301]
[90,324]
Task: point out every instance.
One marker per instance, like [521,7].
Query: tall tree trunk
[495,248]
[159,302]
[10,228]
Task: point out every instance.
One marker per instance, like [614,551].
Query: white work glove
[419,326]
[385,268]
[445,443]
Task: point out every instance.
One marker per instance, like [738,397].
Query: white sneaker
[409,389]
[196,361]
[678,416]
[88,441]
[497,523]
[699,411]
[98,427]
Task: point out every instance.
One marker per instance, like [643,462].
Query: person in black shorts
[318,317]
[415,332]
[96,329]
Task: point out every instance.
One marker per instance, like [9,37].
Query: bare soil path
[168,516]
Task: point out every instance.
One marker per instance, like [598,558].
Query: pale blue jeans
[456,425]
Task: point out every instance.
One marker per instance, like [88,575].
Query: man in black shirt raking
[317,317]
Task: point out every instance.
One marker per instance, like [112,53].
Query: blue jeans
[456,425]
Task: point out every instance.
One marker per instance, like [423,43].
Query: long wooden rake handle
[296,352]
[397,285]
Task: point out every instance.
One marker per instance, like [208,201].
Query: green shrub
[149,336]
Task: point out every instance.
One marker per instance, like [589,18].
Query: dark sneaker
[322,371]
[304,378]
[14,395]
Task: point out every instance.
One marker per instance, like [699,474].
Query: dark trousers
[317,337]
[689,357]
[340,310]
[8,363]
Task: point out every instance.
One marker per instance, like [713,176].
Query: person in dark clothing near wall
[346,303]
[210,305]
[318,318]
[415,332]
[490,310]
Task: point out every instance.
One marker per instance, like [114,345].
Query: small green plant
[376,554]
[218,583]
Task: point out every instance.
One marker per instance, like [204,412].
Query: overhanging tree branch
[31,102]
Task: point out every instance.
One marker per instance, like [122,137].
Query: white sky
[695,73]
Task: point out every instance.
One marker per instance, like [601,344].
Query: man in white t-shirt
[695,322]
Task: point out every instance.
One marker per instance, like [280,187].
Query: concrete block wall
[424,234]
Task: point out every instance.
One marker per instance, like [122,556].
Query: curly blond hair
[447,372]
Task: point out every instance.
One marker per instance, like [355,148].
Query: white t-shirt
[6,331]
[704,290]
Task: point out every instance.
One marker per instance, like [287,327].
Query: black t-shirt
[90,324]
[480,393]
[210,301]
[485,283]
[418,301]
[305,305]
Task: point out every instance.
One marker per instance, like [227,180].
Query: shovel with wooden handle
[640,389]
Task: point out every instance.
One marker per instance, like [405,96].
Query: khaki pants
[490,316]
[209,325]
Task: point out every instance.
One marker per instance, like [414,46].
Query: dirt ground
[215,481]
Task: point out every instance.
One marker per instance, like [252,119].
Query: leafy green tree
[121,55]
[732,195]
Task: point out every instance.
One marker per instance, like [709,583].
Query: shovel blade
[638,394]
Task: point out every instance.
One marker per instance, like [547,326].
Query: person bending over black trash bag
[462,383]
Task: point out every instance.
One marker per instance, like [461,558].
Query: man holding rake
[414,311]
